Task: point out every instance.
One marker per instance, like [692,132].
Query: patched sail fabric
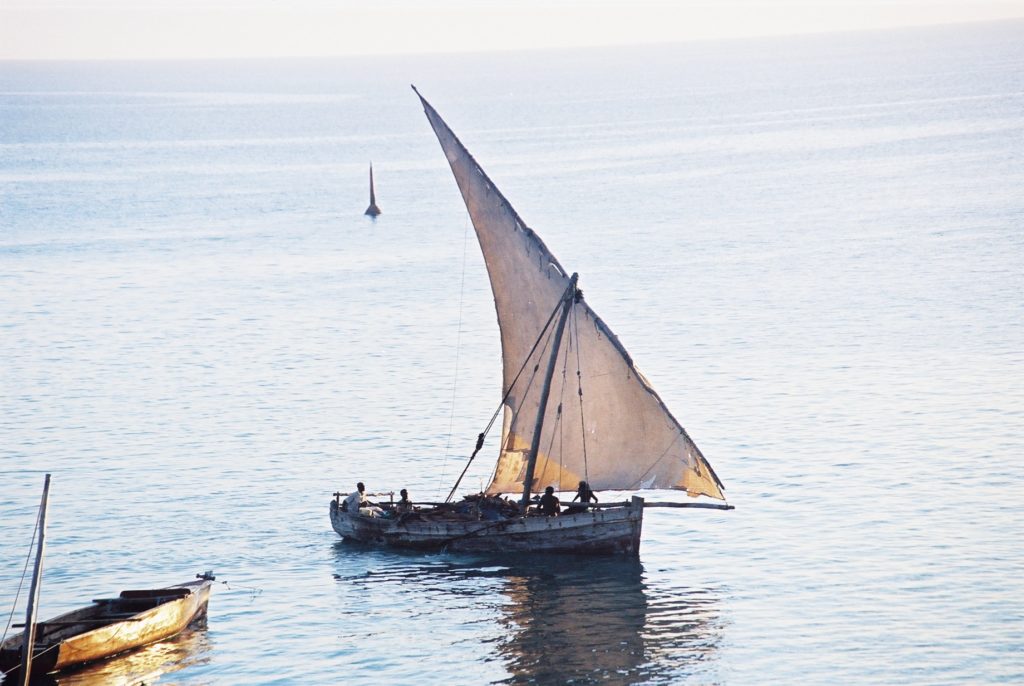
[604,423]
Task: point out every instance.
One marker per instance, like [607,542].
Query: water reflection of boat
[550,618]
[590,620]
[575,621]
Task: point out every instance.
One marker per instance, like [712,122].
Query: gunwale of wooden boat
[111,626]
[614,530]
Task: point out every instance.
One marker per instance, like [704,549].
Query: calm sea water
[813,248]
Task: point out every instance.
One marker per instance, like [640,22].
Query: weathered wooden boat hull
[85,635]
[601,531]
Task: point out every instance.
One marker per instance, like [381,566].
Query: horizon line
[541,49]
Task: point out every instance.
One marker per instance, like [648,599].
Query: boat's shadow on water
[563,618]
[145,665]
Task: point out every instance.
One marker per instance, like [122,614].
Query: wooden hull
[603,532]
[110,626]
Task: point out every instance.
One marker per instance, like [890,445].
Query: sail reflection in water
[145,665]
[550,619]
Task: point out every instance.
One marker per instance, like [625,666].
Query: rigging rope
[515,416]
[556,431]
[579,386]
[24,571]
[654,464]
[494,417]
[558,421]
[458,350]
[35,656]
[558,427]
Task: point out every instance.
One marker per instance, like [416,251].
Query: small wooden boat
[110,626]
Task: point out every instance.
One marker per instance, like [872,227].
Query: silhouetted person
[549,504]
[584,495]
[404,505]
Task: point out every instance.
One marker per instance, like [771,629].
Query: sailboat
[372,210]
[575,409]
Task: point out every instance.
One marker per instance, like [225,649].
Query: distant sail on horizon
[372,210]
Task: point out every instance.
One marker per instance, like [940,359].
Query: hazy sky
[62,29]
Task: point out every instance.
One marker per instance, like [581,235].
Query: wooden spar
[33,594]
[531,463]
[626,503]
[124,616]
[704,506]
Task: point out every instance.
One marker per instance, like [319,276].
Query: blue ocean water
[811,246]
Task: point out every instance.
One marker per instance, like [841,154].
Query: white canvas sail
[617,434]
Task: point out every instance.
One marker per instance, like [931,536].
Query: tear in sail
[604,423]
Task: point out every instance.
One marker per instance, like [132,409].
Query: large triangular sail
[604,423]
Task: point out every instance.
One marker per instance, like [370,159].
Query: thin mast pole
[33,594]
[531,463]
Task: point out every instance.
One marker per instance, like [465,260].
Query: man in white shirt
[358,504]
[356,499]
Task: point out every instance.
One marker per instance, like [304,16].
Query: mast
[531,462]
[372,210]
[33,594]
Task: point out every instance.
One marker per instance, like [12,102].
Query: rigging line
[579,386]
[529,385]
[557,430]
[458,350]
[561,412]
[35,656]
[654,464]
[526,362]
[508,392]
[480,438]
[533,375]
[24,571]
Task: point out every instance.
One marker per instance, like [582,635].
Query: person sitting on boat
[404,505]
[585,496]
[358,504]
[355,499]
[549,504]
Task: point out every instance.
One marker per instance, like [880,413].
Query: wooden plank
[109,619]
[152,593]
[705,506]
